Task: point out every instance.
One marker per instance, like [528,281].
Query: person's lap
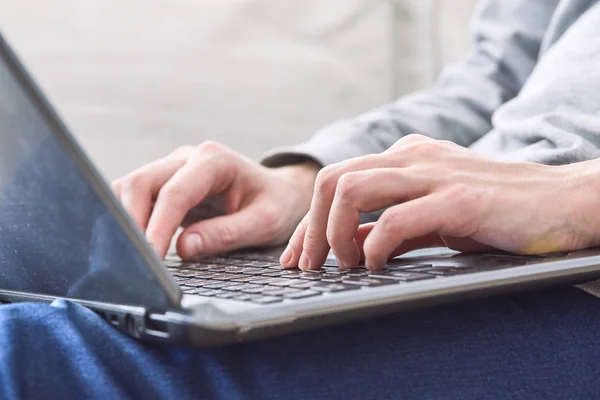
[532,345]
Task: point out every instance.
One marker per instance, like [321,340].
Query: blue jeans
[537,345]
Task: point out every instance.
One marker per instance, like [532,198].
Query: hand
[258,205]
[440,194]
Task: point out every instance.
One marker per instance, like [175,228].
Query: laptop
[64,235]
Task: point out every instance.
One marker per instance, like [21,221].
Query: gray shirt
[529,91]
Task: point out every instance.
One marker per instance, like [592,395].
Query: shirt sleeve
[507,36]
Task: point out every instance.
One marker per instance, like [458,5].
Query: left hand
[440,194]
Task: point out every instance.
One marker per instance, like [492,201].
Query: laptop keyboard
[259,278]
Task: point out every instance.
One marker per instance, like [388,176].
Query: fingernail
[304,263]
[193,244]
[286,256]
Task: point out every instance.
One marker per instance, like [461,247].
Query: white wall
[136,78]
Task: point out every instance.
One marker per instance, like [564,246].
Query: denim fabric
[538,345]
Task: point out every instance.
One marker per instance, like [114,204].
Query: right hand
[260,206]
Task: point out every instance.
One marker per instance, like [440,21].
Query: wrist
[583,197]
[301,178]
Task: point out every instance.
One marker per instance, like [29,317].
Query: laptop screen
[57,237]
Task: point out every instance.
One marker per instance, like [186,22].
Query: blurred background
[134,79]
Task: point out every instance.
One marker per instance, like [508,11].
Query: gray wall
[134,79]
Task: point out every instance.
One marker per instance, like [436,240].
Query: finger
[315,246]
[290,258]
[432,214]
[251,226]
[363,191]
[139,190]
[184,190]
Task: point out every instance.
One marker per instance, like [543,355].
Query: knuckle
[410,139]
[388,222]
[176,196]
[134,181]
[326,178]
[227,236]
[348,185]
[210,146]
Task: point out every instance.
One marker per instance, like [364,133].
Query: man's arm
[507,40]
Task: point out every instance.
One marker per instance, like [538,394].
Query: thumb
[251,226]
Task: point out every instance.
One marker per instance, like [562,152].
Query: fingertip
[189,245]
[286,257]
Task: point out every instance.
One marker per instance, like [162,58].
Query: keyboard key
[401,276]
[407,267]
[198,282]
[222,276]
[252,289]
[302,295]
[356,272]
[334,287]
[331,278]
[266,300]
[190,290]
[184,272]
[367,281]
[220,285]
[246,297]
[226,295]
[282,282]
[275,291]
[253,271]
[272,274]
[311,276]
[290,272]
[302,284]
[244,279]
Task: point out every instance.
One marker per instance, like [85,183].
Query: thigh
[535,345]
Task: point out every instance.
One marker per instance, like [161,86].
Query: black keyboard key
[302,284]
[253,271]
[190,290]
[356,272]
[367,281]
[302,295]
[197,282]
[272,273]
[266,300]
[282,282]
[311,276]
[226,295]
[334,287]
[279,291]
[246,297]
[412,267]
[222,276]
[252,289]
[220,285]
[184,272]
[290,273]
[403,276]
[331,278]
[245,279]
